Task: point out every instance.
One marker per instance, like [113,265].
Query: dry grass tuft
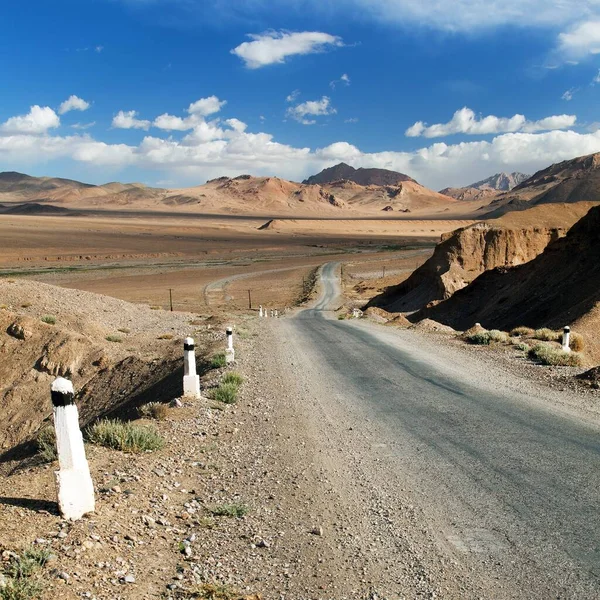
[521,331]
[547,354]
[546,335]
[154,410]
[126,437]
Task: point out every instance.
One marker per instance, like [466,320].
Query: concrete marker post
[260,311]
[566,339]
[191,381]
[74,484]
[276,314]
[230,352]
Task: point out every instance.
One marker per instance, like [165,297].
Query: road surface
[505,479]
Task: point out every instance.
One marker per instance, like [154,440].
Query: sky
[174,92]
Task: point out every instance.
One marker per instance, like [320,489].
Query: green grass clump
[124,436]
[521,331]
[501,337]
[228,510]
[218,361]
[576,342]
[226,393]
[481,338]
[233,378]
[49,319]
[154,410]
[522,346]
[117,339]
[550,355]
[46,444]
[215,591]
[341,317]
[22,575]
[546,335]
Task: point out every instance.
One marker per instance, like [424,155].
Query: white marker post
[276,314]
[266,312]
[191,381]
[260,311]
[230,352]
[272,313]
[566,339]
[73,480]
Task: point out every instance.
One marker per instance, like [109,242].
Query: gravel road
[454,479]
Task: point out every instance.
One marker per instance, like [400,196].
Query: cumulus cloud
[173,123]
[568,95]
[38,120]
[293,96]
[343,79]
[465,121]
[227,147]
[73,103]
[580,41]
[311,108]
[206,106]
[275,46]
[83,126]
[128,120]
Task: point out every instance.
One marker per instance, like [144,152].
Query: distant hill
[502,182]
[569,181]
[360,176]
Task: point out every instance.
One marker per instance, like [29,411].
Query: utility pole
[171,298]
[249,299]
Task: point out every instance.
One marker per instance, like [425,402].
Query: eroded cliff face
[460,257]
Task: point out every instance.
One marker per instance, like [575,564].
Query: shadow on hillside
[31,504]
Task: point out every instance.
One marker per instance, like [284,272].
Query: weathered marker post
[566,339]
[191,381]
[230,352]
[73,480]
[260,311]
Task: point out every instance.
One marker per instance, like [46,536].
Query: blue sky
[447,92]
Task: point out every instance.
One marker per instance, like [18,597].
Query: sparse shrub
[154,410]
[26,305]
[218,361]
[521,331]
[550,355]
[233,378]
[3,306]
[22,581]
[117,339]
[46,443]
[481,338]
[546,335]
[341,317]
[226,393]
[156,307]
[124,330]
[522,346]
[215,591]
[501,337]
[576,342]
[49,319]
[228,510]
[165,336]
[124,436]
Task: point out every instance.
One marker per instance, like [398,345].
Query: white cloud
[351,120]
[293,96]
[596,78]
[83,126]
[465,121]
[73,103]
[275,46]
[314,108]
[580,40]
[128,120]
[206,106]
[343,79]
[99,49]
[568,95]
[38,120]
[172,123]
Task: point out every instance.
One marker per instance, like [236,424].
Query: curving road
[506,475]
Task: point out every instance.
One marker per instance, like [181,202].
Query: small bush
[576,342]
[46,444]
[21,575]
[215,591]
[154,410]
[233,378]
[228,510]
[50,319]
[165,336]
[26,305]
[549,355]
[117,339]
[522,346]
[501,337]
[481,338]
[521,331]
[226,393]
[124,436]
[546,335]
[341,317]
[124,330]
[156,307]
[218,361]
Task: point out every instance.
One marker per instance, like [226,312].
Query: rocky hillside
[500,182]
[559,287]
[576,180]
[361,176]
[464,254]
